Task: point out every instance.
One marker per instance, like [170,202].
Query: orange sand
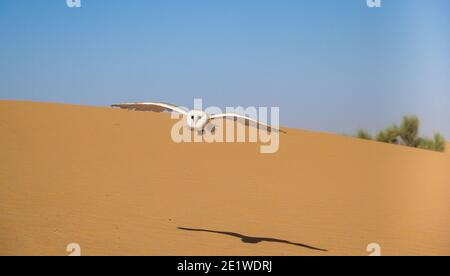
[108,180]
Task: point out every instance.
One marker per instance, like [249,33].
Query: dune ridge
[115,183]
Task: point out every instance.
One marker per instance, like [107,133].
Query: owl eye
[192,117]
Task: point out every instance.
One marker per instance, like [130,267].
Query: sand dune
[107,180]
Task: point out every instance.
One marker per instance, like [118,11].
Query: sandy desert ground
[115,183]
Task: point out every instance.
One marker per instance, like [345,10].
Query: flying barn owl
[197,120]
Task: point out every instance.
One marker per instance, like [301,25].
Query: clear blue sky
[331,65]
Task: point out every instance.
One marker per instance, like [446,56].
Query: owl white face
[197,119]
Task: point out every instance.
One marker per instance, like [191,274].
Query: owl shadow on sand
[254,240]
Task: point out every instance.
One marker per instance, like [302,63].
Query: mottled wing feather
[150,106]
[247,120]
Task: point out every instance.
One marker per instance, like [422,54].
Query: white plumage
[196,119]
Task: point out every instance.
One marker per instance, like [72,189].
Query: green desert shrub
[390,135]
[406,134]
[363,134]
[439,142]
[409,131]
[436,144]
